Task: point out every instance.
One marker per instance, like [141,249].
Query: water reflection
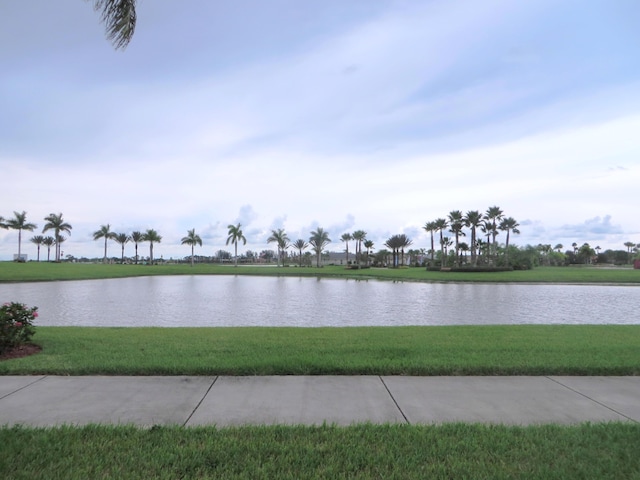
[314,302]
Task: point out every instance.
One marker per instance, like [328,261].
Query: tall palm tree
[558,247]
[38,240]
[394,243]
[122,239]
[19,222]
[508,225]
[440,225]
[137,237]
[455,226]
[346,238]
[56,223]
[319,240]
[59,240]
[300,245]
[235,235]
[359,236]
[404,243]
[431,227]
[152,237]
[106,233]
[446,243]
[191,239]
[282,241]
[119,17]
[494,215]
[368,244]
[49,242]
[473,221]
[487,229]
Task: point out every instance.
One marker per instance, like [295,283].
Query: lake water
[213,301]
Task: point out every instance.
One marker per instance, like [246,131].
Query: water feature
[211,301]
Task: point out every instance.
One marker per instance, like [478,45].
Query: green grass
[447,350]
[453,451]
[43,271]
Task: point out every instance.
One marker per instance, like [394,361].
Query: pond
[216,301]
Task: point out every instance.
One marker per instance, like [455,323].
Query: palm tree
[494,215]
[152,237]
[346,237]
[106,233]
[464,248]
[300,245]
[508,225]
[368,244]
[488,229]
[440,225]
[431,227]
[359,236]
[137,237]
[38,240]
[59,240]
[235,235]
[630,246]
[49,242]
[558,247]
[122,239]
[446,243]
[455,226]
[119,17]
[19,222]
[282,241]
[404,242]
[192,239]
[58,225]
[472,220]
[319,240]
[393,243]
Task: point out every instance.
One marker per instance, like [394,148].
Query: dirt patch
[20,351]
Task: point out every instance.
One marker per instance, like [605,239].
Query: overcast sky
[378,115]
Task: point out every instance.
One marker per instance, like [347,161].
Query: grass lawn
[452,451]
[44,271]
[430,350]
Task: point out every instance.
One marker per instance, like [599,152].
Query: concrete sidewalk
[311,400]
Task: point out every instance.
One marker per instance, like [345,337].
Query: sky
[374,115]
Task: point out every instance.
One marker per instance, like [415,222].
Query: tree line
[451,248]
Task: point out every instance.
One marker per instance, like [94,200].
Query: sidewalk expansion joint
[593,400]
[25,386]
[201,400]
[394,401]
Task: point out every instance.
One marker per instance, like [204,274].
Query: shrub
[16,324]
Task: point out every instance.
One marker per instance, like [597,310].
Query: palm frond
[119,17]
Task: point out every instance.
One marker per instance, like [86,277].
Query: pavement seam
[592,399]
[201,400]
[22,388]
[394,401]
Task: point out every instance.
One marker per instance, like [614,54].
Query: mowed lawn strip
[45,271]
[602,451]
[430,350]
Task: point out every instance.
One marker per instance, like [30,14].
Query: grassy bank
[603,451]
[43,271]
[450,350]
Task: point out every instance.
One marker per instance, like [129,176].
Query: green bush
[16,324]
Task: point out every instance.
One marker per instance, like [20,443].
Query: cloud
[595,227]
